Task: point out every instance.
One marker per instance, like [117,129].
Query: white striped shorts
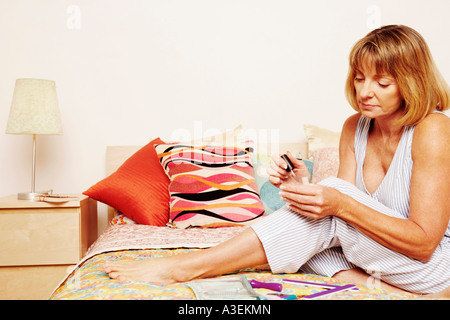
[292,243]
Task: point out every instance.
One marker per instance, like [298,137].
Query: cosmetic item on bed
[311,284]
[232,288]
[331,288]
[274,286]
[330,291]
[315,284]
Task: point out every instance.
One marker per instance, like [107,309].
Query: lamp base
[32,196]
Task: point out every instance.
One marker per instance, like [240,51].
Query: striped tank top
[394,189]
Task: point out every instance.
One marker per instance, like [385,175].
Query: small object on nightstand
[56,198]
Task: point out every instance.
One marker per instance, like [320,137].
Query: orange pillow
[138,189]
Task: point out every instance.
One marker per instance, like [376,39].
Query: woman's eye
[383,85]
[358,79]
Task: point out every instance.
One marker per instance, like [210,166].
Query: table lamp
[34,110]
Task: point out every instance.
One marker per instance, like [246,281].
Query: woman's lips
[367,106]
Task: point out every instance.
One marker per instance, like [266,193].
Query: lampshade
[34,108]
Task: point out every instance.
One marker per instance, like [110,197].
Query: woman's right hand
[278,174]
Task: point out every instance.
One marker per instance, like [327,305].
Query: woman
[385,215]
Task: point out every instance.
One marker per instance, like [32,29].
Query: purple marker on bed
[312,284]
[266,285]
[330,291]
[332,288]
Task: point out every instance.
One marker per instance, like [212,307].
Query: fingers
[297,162]
[305,205]
[305,211]
[278,164]
[275,181]
[302,189]
[279,167]
[279,175]
[313,201]
[278,160]
[303,199]
[297,194]
[300,168]
[277,171]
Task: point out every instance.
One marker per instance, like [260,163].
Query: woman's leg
[333,263]
[243,251]
[286,241]
[387,265]
[327,263]
[358,276]
[289,239]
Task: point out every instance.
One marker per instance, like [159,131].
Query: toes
[113,271]
[110,266]
[118,277]
[113,275]
[121,278]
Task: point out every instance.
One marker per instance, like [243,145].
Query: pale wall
[128,71]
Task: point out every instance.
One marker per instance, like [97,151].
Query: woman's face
[378,95]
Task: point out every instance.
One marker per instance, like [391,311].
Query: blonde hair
[403,53]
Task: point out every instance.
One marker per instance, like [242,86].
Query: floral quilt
[136,242]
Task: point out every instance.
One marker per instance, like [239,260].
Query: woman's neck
[387,130]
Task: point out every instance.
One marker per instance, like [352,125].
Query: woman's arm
[416,237]
[419,235]
[430,180]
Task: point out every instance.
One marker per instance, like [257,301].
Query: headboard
[117,155]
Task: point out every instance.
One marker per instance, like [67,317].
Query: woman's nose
[366,90]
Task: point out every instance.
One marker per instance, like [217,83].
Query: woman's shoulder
[348,131]
[434,123]
[432,134]
[351,122]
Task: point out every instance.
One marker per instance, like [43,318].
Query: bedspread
[136,236]
[135,242]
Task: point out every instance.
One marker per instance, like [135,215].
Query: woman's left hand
[312,200]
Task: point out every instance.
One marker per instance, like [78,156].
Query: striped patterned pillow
[210,186]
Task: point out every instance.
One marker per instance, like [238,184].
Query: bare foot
[176,268]
[149,270]
[444,294]
[242,251]
[358,276]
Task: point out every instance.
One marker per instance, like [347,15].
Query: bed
[134,193]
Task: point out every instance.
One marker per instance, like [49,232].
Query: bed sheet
[136,242]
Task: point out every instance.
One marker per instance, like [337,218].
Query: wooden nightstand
[39,241]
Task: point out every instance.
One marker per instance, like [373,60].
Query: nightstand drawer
[39,236]
[30,283]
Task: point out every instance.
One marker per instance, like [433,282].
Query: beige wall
[127,71]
